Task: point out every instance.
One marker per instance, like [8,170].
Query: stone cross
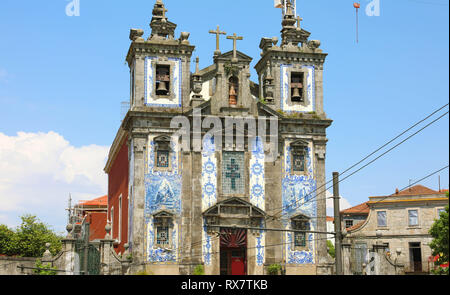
[217,33]
[235,38]
[299,19]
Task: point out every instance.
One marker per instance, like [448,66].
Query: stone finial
[69,229]
[136,34]
[184,36]
[47,254]
[108,230]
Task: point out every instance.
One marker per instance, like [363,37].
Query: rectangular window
[413,217]
[120,218]
[298,163]
[300,239]
[381,217]
[162,159]
[112,222]
[162,235]
[233,176]
[348,223]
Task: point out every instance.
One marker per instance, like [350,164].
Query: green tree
[331,249]
[439,245]
[29,239]
[6,236]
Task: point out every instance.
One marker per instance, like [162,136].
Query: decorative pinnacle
[197,65]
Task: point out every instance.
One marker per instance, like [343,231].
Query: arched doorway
[233,251]
[230,219]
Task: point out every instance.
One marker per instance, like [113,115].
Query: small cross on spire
[235,38]
[217,33]
[299,19]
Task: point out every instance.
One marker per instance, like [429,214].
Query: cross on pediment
[217,33]
[235,38]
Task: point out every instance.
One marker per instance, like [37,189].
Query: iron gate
[88,254]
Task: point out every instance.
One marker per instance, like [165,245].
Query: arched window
[233,90]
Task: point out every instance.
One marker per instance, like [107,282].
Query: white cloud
[39,170]
[343,204]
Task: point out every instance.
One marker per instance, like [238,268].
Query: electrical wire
[374,152]
[366,165]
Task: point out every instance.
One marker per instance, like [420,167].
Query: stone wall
[10,265]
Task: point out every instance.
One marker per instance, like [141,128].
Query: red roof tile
[358,209]
[330,218]
[416,190]
[356,226]
[102,201]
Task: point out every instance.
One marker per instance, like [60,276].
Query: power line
[428,176]
[380,148]
[341,180]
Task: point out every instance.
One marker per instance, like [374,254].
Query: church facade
[214,169]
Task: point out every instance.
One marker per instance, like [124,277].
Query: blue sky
[62,80]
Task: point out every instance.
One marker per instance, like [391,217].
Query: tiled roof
[416,190]
[356,226]
[102,201]
[359,209]
[330,218]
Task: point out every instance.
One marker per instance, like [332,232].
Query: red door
[237,266]
[233,246]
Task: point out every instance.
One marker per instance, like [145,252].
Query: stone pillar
[346,258]
[273,192]
[138,222]
[70,260]
[186,219]
[106,246]
[197,217]
[322,250]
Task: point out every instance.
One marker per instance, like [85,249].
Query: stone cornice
[290,56]
[167,47]
[121,135]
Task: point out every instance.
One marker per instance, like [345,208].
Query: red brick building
[95,212]
[118,200]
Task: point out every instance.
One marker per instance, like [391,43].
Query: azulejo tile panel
[257,182]
[298,197]
[163,193]
[209,174]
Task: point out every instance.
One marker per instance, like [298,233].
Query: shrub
[199,270]
[274,269]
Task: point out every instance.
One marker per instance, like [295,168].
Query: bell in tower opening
[233,91]
[162,80]
[297,87]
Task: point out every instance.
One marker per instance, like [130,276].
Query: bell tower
[291,74]
[160,65]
